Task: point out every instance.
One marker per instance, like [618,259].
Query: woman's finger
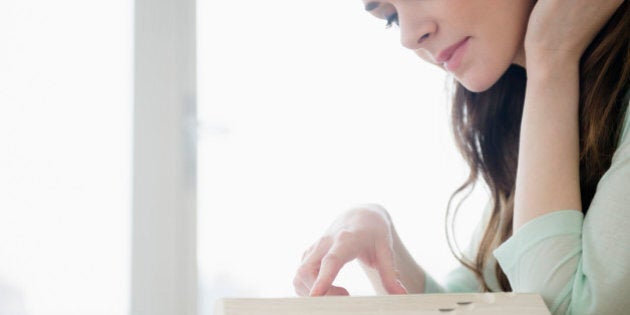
[315,253]
[310,267]
[330,267]
[309,250]
[300,287]
[305,254]
[306,275]
[337,291]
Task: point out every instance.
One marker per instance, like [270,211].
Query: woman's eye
[391,20]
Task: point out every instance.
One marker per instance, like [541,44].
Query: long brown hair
[486,128]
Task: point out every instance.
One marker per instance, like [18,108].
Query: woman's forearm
[548,164]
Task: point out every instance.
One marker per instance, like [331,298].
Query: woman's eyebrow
[371,6]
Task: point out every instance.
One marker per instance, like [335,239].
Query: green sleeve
[459,280]
[431,286]
[578,264]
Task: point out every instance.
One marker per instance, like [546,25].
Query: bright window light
[307,110]
[65,138]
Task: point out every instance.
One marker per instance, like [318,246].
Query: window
[65,138]
[304,111]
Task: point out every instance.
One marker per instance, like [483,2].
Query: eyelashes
[391,20]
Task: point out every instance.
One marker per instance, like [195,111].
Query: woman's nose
[413,34]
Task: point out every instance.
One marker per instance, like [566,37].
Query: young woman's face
[475,40]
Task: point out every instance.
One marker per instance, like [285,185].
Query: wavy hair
[486,129]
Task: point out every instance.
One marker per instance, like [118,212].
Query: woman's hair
[486,128]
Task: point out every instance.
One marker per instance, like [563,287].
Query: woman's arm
[578,264]
[548,165]
[547,177]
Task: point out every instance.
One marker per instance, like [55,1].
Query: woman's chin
[477,84]
[480,80]
[476,88]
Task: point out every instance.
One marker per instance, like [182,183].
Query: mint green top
[578,264]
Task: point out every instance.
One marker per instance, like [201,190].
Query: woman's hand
[560,30]
[364,233]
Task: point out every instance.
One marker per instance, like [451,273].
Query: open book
[413,304]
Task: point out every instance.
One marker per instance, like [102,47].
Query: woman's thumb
[388,273]
[395,287]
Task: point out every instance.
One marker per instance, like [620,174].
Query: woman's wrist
[550,66]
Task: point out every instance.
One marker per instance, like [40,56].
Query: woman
[540,113]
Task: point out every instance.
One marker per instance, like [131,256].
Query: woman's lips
[452,56]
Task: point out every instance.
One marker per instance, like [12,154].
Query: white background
[65,156]
[307,109]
